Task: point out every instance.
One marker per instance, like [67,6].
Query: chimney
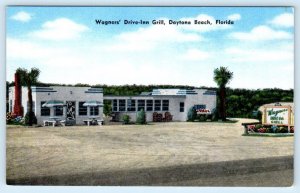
[18,110]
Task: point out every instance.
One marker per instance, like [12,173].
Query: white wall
[76,94]
[174,104]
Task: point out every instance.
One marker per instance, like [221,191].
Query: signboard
[276,115]
[203,111]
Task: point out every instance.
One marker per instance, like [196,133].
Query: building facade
[72,97]
[177,102]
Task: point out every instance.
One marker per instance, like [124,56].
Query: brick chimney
[18,110]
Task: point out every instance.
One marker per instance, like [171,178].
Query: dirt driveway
[70,151]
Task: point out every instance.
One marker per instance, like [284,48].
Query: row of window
[58,111]
[146,105]
[118,105]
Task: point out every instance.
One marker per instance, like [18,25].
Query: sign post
[277,115]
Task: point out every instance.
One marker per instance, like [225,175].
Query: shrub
[107,109]
[192,114]
[282,129]
[202,118]
[258,126]
[273,129]
[34,120]
[126,119]
[9,117]
[214,115]
[141,117]
[262,130]
[292,129]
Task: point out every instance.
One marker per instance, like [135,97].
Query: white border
[28,189]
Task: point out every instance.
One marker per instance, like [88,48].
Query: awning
[93,104]
[53,103]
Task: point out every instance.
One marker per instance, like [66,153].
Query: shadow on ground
[209,174]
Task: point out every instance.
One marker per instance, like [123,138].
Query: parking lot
[109,154]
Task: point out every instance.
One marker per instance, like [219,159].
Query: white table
[91,120]
[53,120]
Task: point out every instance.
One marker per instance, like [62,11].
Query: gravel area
[59,151]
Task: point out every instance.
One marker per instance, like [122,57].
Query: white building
[175,101]
[73,98]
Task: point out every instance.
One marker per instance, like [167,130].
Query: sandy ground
[48,151]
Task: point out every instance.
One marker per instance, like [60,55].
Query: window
[157,105]
[141,105]
[58,111]
[45,111]
[181,107]
[130,105]
[122,105]
[201,106]
[82,109]
[165,105]
[94,111]
[115,105]
[33,106]
[149,105]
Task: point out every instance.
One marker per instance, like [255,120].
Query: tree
[222,77]
[29,78]
[107,109]
[192,114]
[141,117]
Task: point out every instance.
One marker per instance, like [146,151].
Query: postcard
[150,96]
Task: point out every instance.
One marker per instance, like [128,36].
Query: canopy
[53,103]
[93,104]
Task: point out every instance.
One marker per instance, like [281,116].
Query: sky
[67,45]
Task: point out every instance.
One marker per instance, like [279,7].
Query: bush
[141,117]
[9,117]
[214,115]
[107,109]
[273,129]
[192,114]
[262,130]
[126,119]
[202,118]
[292,129]
[258,126]
[34,120]
[282,129]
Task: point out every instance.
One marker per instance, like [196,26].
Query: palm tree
[28,79]
[222,76]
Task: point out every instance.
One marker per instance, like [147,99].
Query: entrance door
[71,112]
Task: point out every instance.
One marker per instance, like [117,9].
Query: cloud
[283,20]
[150,37]
[22,16]
[60,29]
[261,33]
[196,55]
[234,17]
[280,54]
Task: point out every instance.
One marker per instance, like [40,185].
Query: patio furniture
[93,121]
[53,121]
[63,122]
[157,117]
